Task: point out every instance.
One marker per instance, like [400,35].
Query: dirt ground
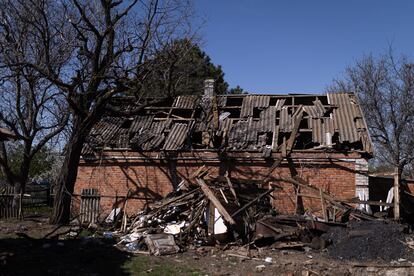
[25,251]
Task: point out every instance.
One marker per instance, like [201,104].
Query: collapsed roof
[261,123]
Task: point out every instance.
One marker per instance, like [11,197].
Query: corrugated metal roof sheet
[244,125]
[237,137]
[252,131]
[311,111]
[315,111]
[106,129]
[226,124]
[141,122]
[319,129]
[158,127]
[344,117]
[154,143]
[319,107]
[247,107]
[261,101]
[185,102]
[176,137]
[267,121]
[139,139]
[250,102]
[279,104]
[285,120]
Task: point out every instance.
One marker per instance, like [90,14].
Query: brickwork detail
[150,180]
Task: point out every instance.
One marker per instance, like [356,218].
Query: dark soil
[368,240]
[94,255]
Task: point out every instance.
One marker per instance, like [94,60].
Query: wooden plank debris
[252,202]
[230,185]
[324,212]
[210,195]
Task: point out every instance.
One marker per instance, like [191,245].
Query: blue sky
[297,46]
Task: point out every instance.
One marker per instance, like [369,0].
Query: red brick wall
[151,179]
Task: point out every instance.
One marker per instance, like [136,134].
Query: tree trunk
[66,182]
[397,193]
[5,169]
[20,188]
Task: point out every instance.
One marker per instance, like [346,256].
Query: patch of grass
[8,236]
[139,265]
[37,210]
[85,233]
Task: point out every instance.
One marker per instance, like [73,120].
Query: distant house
[380,185]
[323,139]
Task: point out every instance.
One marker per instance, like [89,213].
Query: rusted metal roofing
[246,122]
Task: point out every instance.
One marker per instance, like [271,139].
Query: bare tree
[385,89]
[105,48]
[30,105]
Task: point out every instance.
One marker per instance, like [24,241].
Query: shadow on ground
[87,256]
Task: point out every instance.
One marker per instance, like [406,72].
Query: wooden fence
[7,210]
[35,195]
[89,206]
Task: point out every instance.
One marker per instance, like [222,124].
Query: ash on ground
[369,240]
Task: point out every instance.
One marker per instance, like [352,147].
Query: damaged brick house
[253,139]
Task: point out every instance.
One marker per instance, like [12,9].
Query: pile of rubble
[221,212]
[217,212]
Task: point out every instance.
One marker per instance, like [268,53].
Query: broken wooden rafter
[324,211]
[200,172]
[233,192]
[215,113]
[295,129]
[339,204]
[210,195]
[251,202]
[287,146]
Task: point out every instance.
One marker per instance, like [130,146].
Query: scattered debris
[368,240]
[201,214]
[260,268]
[161,244]
[208,212]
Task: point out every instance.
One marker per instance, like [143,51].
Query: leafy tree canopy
[41,166]
[182,69]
